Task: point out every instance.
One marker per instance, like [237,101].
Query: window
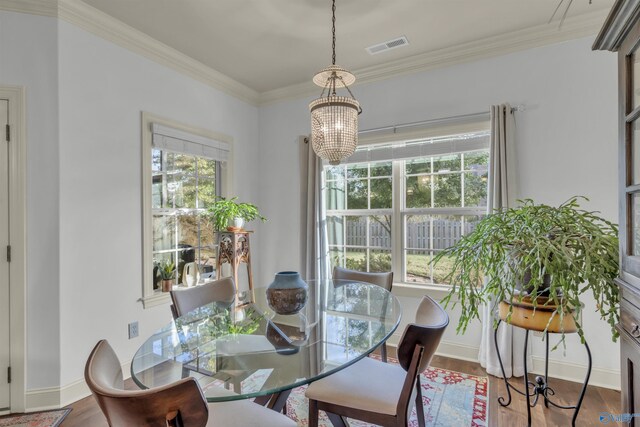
[394,206]
[184,170]
[183,187]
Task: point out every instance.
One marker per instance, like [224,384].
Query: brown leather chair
[180,404]
[185,300]
[380,393]
[384,280]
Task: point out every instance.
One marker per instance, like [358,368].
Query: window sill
[161,298]
[437,292]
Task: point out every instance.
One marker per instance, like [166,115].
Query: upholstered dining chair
[185,300]
[180,404]
[381,393]
[384,280]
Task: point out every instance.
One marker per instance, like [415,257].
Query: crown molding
[105,26]
[109,28]
[33,7]
[541,35]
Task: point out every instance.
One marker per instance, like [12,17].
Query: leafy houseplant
[225,211]
[535,251]
[167,272]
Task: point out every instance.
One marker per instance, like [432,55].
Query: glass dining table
[241,348]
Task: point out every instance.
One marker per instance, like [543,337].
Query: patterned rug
[451,399]
[35,419]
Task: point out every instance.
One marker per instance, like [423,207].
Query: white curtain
[501,195]
[314,249]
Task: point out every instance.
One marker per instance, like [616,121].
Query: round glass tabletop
[242,348]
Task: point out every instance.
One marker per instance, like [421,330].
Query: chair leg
[313,413]
[337,420]
[383,352]
[419,404]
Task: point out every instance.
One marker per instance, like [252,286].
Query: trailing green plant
[223,211]
[167,270]
[536,250]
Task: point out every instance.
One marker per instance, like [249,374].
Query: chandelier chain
[333,22]
[351,93]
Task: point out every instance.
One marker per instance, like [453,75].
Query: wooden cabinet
[621,34]
[630,370]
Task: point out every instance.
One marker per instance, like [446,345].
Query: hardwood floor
[87,413]
[596,400]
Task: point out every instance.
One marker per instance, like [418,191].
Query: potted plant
[230,214]
[547,255]
[167,273]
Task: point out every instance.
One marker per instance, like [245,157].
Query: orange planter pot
[524,316]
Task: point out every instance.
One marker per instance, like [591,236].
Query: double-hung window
[184,175]
[393,206]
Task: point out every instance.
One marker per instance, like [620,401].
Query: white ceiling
[271,44]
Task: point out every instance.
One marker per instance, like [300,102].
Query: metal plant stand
[533,390]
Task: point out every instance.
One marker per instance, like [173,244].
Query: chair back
[384,280]
[177,404]
[185,300]
[426,332]
[416,348]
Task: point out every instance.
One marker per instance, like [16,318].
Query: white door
[4,261]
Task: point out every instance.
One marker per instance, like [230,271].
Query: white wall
[29,58]
[103,89]
[566,142]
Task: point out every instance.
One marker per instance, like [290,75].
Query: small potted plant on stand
[228,214]
[167,272]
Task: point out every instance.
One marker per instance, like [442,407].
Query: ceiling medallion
[334,118]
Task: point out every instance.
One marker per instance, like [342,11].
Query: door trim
[18,235]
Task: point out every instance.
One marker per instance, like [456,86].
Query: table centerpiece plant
[231,214]
[549,255]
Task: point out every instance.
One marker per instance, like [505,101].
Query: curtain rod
[441,120]
[462,117]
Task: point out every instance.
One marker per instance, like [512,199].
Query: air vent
[388,45]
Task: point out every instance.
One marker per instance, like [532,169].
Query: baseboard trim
[600,377]
[43,399]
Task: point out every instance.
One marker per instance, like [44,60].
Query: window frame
[399,211]
[151,298]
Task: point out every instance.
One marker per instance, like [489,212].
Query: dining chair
[384,280]
[179,404]
[185,300]
[381,393]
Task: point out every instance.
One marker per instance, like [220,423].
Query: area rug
[35,419]
[450,399]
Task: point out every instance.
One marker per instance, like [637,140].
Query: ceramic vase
[288,293]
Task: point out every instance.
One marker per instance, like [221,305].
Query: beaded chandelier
[334,118]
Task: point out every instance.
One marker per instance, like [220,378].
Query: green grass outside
[418,266]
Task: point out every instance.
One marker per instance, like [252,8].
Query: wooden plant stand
[234,249]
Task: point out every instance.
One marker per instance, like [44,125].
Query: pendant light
[334,118]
